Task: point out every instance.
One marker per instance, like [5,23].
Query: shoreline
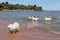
[55,32]
[14,10]
[26,33]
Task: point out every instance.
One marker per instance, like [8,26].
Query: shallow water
[25,33]
[22,18]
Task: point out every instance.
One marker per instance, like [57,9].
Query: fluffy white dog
[13,28]
[48,19]
[33,18]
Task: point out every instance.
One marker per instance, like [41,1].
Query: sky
[52,5]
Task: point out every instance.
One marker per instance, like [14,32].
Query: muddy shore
[25,33]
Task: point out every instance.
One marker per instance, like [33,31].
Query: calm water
[22,18]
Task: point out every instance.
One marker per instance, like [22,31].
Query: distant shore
[15,10]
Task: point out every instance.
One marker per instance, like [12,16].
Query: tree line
[6,5]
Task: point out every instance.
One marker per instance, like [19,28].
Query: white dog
[48,19]
[13,27]
[33,18]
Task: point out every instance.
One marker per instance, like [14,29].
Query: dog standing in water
[13,28]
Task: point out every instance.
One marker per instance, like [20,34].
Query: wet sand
[25,33]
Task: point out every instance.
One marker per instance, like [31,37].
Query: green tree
[2,3]
[1,7]
[6,3]
[34,7]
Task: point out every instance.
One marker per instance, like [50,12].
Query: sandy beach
[25,33]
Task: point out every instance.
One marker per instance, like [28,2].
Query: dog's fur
[13,28]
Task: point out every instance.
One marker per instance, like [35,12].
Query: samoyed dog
[13,28]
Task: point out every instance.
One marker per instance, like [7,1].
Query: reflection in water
[33,23]
[47,22]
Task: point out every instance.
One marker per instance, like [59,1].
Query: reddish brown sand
[25,33]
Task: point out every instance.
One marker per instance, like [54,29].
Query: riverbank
[14,10]
[26,33]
